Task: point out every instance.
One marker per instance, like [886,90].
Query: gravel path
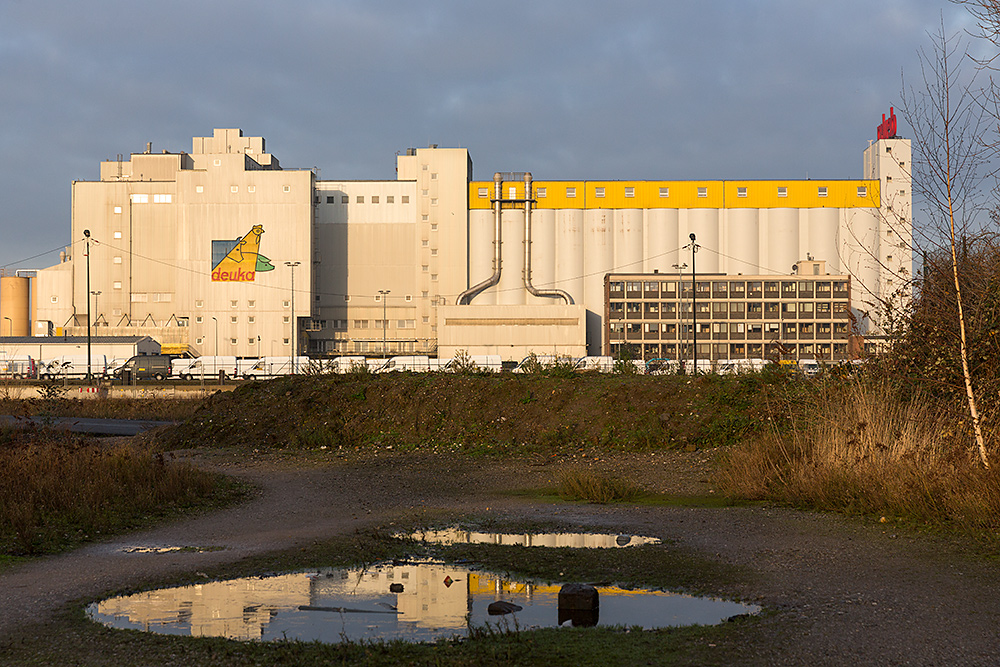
[845,593]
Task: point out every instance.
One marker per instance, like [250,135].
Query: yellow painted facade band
[685,194]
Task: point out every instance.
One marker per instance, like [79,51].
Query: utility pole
[385,322]
[295,329]
[680,320]
[694,305]
[86,237]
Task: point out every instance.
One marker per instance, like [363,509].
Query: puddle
[167,549]
[413,601]
[576,540]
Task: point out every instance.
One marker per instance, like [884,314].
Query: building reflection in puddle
[416,601]
[573,540]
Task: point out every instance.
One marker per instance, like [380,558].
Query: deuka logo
[243,260]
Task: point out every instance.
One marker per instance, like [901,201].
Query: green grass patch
[486,415]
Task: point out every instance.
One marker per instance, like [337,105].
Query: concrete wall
[512,331]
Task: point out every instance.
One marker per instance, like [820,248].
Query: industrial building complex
[222,251]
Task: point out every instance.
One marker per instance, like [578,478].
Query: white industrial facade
[200,250]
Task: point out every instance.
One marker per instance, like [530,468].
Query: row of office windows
[753,309]
[737,289]
[235,341]
[200,319]
[382,324]
[766,329]
[721,351]
[374,199]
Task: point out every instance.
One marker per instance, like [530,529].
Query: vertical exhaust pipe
[534,291]
[468,295]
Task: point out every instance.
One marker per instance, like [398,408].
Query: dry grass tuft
[58,489]
[589,486]
[858,449]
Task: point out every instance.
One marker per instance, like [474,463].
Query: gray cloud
[633,89]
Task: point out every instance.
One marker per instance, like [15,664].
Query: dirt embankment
[483,413]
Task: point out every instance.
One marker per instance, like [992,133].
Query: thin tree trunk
[970,395]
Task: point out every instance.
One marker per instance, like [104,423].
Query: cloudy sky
[566,89]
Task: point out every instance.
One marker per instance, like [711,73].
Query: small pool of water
[416,601]
[576,540]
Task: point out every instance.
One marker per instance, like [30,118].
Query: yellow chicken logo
[243,261]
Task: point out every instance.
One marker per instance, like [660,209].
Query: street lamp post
[385,322]
[694,307]
[680,320]
[86,236]
[295,328]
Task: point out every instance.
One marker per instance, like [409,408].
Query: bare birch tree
[946,116]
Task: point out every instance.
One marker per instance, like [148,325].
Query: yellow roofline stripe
[686,194]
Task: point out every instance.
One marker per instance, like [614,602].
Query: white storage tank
[510,291]
[743,241]
[599,259]
[704,223]
[481,253]
[628,240]
[661,240]
[862,252]
[824,237]
[569,252]
[543,253]
[782,240]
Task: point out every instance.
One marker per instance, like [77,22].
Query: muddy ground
[842,592]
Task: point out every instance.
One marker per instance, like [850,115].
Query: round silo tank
[569,252]
[824,237]
[14,306]
[661,240]
[598,255]
[628,240]
[743,241]
[543,253]
[481,232]
[862,247]
[510,291]
[782,240]
[704,224]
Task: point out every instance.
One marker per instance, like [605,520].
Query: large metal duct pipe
[534,291]
[468,295]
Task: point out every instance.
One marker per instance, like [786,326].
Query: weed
[586,485]
[856,447]
[57,490]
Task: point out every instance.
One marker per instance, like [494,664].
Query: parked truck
[204,367]
[272,367]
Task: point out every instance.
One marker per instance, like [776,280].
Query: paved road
[88,425]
